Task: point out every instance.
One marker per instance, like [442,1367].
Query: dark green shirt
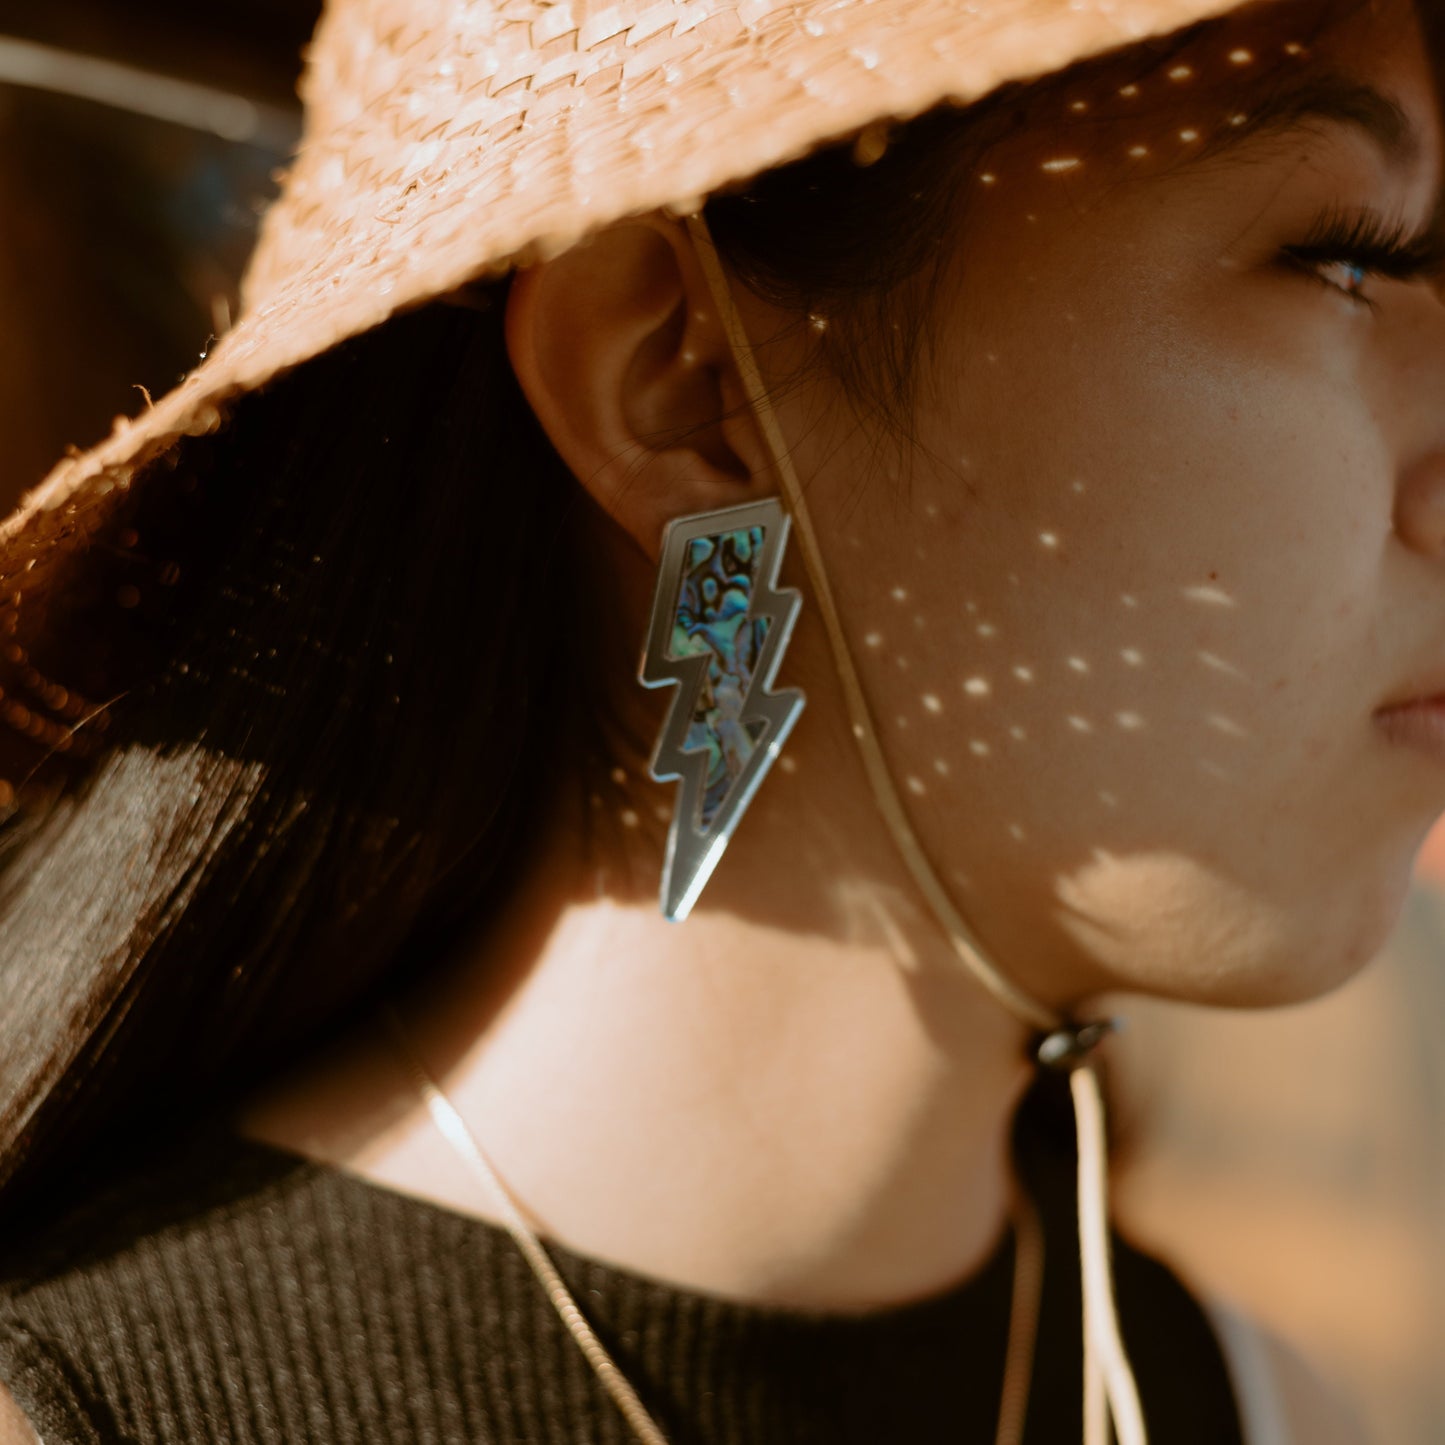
[232,1292]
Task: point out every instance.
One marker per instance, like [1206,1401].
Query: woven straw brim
[448,140]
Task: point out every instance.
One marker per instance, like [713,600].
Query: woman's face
[1175,527]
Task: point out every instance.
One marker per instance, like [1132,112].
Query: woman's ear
[621,353]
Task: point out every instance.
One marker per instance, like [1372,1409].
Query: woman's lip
[1419,723]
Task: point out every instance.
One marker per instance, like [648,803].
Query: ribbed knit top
[234,1292]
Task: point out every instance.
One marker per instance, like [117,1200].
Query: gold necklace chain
[1023,1313]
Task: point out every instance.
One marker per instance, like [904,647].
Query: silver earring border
[691,856]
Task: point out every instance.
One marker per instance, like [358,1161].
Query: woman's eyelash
[1365,240]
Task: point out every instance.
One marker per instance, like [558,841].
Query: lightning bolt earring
[719,628]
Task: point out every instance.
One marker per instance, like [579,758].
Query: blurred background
[138,143]
[1290,1162]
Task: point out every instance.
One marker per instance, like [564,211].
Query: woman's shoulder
[134,1274]
[157,1213]
[227,1275]
[83,1296]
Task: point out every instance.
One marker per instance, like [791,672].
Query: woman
[1113,401]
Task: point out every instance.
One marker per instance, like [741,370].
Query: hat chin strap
[1109,1388]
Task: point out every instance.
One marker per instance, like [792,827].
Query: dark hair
[278,727]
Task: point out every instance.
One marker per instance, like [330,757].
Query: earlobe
[619,352]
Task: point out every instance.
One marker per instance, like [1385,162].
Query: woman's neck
[794,1097]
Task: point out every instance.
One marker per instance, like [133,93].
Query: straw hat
[448,140]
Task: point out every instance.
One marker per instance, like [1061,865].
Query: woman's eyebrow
[1335,97]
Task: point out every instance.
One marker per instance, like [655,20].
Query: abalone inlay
[712,618]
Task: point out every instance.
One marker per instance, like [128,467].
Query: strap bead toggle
[1066,1047]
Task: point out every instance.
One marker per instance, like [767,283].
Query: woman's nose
[1420,505]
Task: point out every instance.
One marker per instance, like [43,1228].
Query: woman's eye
[1345,275]
[1344,251]
[1347,270]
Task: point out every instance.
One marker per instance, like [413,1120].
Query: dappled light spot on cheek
[1108,799]
[1024,674]
[1218,664]
[1226,725]
[1061,163]
[931,703]
[1129,721]
[977,687]
[901,720]
[787,763]
[1128,91]
[1189,134]
[940,766]
[1128,599]
[920,620]
[1077,487]
[662,813]
[1213,769]
[1078,664]
[1132,656]
[1017,734]
[1241,56]
[1079,106]
[979,748]
[1138,152]
[1016,832]
[899,594]
[987,178]
[1181,72]
[629,818]
[1049,540]
[915,785]
[1080,724]
[619,776]
[1238,118]
[902,663]
[986,629]
[873,639]
[1208,596]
